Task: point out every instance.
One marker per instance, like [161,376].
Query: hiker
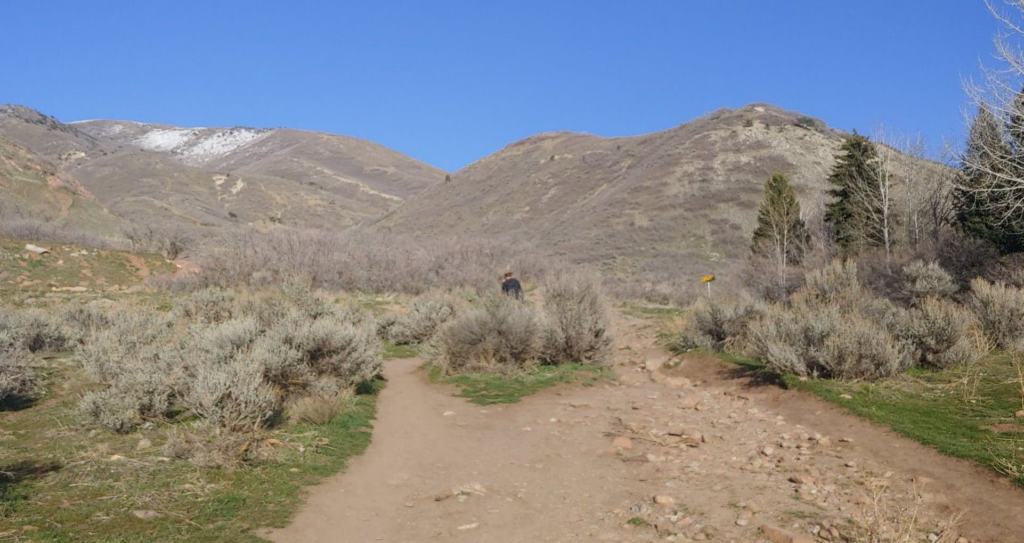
[510,286]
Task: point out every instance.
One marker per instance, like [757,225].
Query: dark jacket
[511,287]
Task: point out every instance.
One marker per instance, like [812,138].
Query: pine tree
[861,213]
[780,234]
[992,157]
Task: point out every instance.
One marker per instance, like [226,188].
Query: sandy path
[725,458]
[519,470]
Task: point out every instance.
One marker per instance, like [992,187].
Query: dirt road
[688,454]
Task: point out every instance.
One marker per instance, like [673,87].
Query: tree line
[887,197]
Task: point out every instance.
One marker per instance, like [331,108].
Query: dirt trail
[584,464]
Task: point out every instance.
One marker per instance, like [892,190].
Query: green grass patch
[966,412]
[65,483]
[392,350]
[491,388]
[643,310]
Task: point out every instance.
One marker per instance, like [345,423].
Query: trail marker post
[707,280]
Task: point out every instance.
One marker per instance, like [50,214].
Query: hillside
[169,176]
[668,205]
[682,201]
[32,189]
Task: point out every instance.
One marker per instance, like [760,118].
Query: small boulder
[664,500]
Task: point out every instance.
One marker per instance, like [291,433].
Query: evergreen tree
[780,234]
[992,158]
[860,214]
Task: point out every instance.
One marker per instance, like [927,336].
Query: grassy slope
[25,273]
[66,483]
[28,184]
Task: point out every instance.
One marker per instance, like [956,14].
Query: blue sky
[451,81]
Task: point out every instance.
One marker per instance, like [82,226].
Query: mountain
[676,203]
[170,176]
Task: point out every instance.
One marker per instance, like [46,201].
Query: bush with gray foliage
[18,379]
[1000,310]
[230,358]
[832,327]
[577,319]
[426,314]
[924,279]
[503,335]
[714,321]
[944,334]
[36,330]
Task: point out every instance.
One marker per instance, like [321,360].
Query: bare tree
[999,94]
[924,187]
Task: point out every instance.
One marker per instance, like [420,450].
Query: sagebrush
[232,359]
[577,319]
[426,314]
[502,335]
[1000,310]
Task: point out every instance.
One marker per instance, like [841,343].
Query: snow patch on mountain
[197,146]
[221,143]
[166,139]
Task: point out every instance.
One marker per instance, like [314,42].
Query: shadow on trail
[753,377]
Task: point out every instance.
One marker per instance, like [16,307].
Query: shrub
[317,409]
[1000,310]
[233,362]
[232,396]
[927,279]
[340,349]
[211,447]
[861,349]
[836,282]
[36,330]
[832,327]
[219,343]
[110,409]
[714,322]
[942,334]
[577,319]
[425,316]
[503,335]
[133,339]
[360,261]
[87,319]
[18,379]
[822,341]
[133,358]
[209,305]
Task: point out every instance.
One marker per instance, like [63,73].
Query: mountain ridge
[675,202]
[194,178]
